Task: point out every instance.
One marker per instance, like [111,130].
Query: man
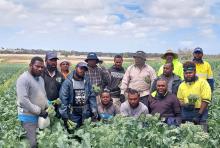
[163,102]
[200,89]
[31,99]
[77,97]
[64,67]
[203,68]
[98,77]
[172,57]
[138,76]
[53,80]
[173,80]
[117,73]
[106,108]
[133,107]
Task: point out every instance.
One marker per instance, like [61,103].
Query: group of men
[94,91]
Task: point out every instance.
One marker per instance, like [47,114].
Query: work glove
[70,125]
[122,98]
[43,114]
[197,118]
[95,116]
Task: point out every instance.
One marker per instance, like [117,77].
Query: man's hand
[56,102]
[122,98]
[95,116]
[43,114]
[197,118]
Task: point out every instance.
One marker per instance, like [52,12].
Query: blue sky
[111,25]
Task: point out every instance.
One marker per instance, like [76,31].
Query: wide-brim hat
[169,51]
[140,54]
[92,56]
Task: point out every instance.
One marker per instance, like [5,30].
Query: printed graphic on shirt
[117,75]
[80,97]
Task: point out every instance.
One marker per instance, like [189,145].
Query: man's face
[52,64]
[64,66]
[139,61]
[169,58]
[198,55]
[81,71]
[133,100]
[167,69]
[92,63]
[36,69]
[105,98]
[161,87]
[189,75]
[118,62]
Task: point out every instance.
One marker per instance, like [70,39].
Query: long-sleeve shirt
[127,110]
[52,84]
[97,76]
[116,78]
[138,79]
[169,106]
[31,95]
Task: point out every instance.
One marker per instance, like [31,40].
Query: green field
[118,132]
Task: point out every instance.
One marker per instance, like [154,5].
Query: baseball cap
[140,54]
[82,64]
[198,50]
[51,55]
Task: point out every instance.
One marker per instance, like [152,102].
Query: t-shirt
[79,91]
[127,110]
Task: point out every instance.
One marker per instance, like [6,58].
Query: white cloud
[207,32]
[186,43]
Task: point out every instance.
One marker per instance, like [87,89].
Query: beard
[51,68]
[193,79]
[198,60]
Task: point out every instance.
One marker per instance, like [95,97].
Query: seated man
[106,108]
[133,107]
[163,102]
[172,79]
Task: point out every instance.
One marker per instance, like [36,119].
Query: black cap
[51,55]
[198,50]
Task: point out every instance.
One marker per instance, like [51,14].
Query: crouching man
[133,107]
[165,103]
[106,108]
[77,97]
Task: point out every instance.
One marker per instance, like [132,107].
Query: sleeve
[210,77]
[176,106]
[180,94]
[125,80]
[210,73]
[206,92]
[123,111]
[160,71]
[153,86]
[146,111]
[65,99]
[180,71]
[153,75]
[22,88]
[117,109]
[106,76]
[92,98]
